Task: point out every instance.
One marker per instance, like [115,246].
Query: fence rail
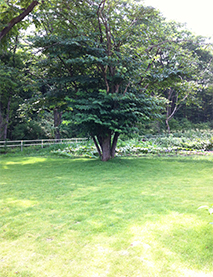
[38,142]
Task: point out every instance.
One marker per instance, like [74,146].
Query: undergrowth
[198,141]
[179,142]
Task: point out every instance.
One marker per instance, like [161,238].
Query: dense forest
[100,69]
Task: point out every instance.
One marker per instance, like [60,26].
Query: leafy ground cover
[127,217]
[188,142]
[182,142]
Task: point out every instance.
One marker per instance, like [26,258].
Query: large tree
[101,64]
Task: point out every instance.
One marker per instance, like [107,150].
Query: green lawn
[127,217]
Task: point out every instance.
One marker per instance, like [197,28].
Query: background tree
[177,70]
[199,107]
[10,87]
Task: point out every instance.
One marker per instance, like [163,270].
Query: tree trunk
[1,124]
[167,124]
[57,123]
[97,147]
[106,149]
[105,143]
[4,121]
[169,108]
[7,118]
[114,144]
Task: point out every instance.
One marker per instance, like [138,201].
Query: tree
[10,87]
[17,86]
[194,75]
[100,66]
[179,69]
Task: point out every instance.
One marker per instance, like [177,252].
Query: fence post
[21,145]
[42,144]
[5,144]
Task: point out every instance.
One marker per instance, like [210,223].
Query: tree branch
[105,78]
[114,143]
[149,65]
[18,19]
[99,23]
[125,91]
[65,65]
[97,147]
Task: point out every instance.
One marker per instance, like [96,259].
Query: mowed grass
[127,217]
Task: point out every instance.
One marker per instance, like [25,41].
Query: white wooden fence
[38,142]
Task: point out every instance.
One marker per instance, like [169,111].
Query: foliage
[11,66]
[17,87]
[28,130]
[78,150]
[192,64]
[100,111]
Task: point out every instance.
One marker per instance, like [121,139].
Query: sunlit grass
[127,217]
